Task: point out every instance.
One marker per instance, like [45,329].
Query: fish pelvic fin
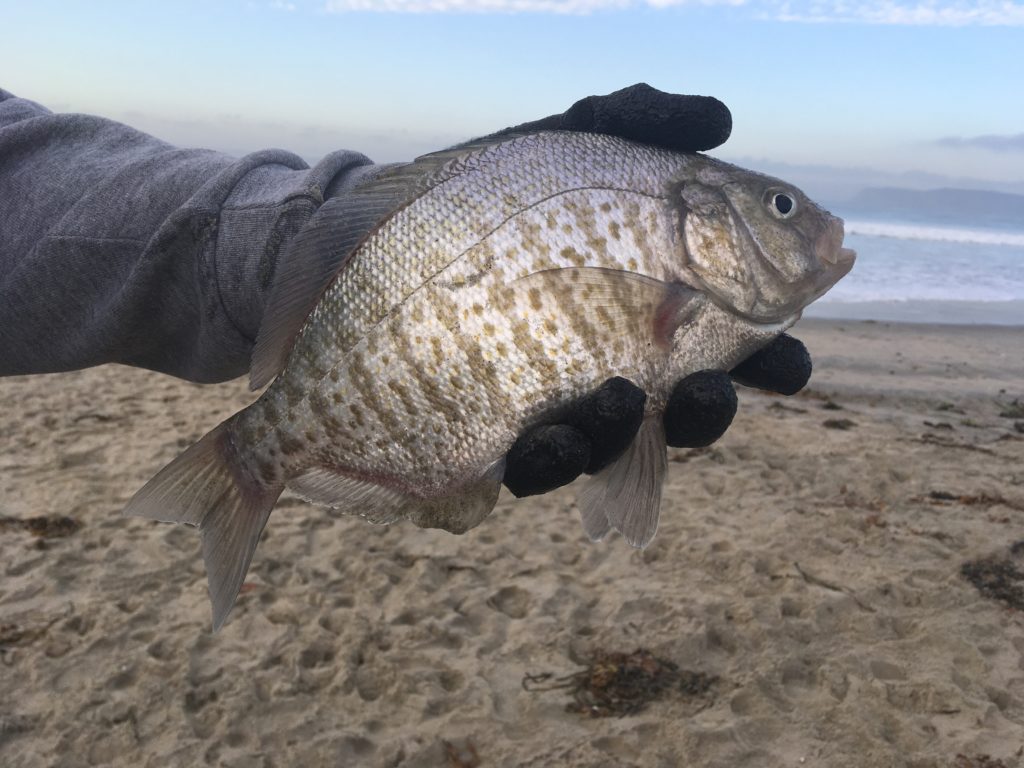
[207,487]
[626,495]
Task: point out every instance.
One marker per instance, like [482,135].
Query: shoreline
[923,311]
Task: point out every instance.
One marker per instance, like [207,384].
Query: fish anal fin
[628,492]
[632,305]
[349,493]
[206,487]
[379,502]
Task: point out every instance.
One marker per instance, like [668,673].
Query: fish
[432,313]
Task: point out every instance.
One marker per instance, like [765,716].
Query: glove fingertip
[700,409]
[784,366]
[545,458]
[610,417]
[645,114]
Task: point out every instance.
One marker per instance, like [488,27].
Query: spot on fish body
[270,412]
[288,443]
[267,470]
[535,300]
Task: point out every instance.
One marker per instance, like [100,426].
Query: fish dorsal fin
[324,246]
[627,494]
[625,303]
[318,253]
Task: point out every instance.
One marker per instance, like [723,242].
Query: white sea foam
[895,269]
[942,234]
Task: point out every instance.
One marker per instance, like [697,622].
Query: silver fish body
[503,281]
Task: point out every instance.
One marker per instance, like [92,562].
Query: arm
[117,247]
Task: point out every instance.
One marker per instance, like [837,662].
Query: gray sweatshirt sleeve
[116,247]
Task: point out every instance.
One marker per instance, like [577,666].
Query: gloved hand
[599,427]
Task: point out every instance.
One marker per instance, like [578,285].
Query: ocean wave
[924,232]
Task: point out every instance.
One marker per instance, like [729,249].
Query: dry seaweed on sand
[843,424]
[615,684]
[461,755]
[783,407]
[1013,410]
[43,526]
[944,498]
[978,761]
[998,578]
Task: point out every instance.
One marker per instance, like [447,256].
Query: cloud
[578,7]
[936,13]
[1011,143]
[947,13]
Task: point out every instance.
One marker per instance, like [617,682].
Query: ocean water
[929,273]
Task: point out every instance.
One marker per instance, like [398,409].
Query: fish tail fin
[207,487]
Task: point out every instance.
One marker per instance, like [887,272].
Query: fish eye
[782,205]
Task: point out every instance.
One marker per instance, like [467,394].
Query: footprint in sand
[73,459]
[514,602]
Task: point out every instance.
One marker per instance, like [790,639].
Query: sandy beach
[838,582]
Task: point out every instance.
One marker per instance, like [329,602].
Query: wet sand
[812,563]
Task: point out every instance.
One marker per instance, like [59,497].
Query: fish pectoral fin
[351,494]
[628,492]
[626,304]
[203,487]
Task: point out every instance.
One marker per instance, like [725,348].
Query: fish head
[756,245]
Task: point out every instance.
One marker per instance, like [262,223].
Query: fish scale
[429,317]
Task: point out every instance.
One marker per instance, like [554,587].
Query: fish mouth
[836,263]
[841,257]
[839,262]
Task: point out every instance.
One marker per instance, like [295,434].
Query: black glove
[644,114]
[599,427]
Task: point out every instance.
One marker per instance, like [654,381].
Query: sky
[919,92]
